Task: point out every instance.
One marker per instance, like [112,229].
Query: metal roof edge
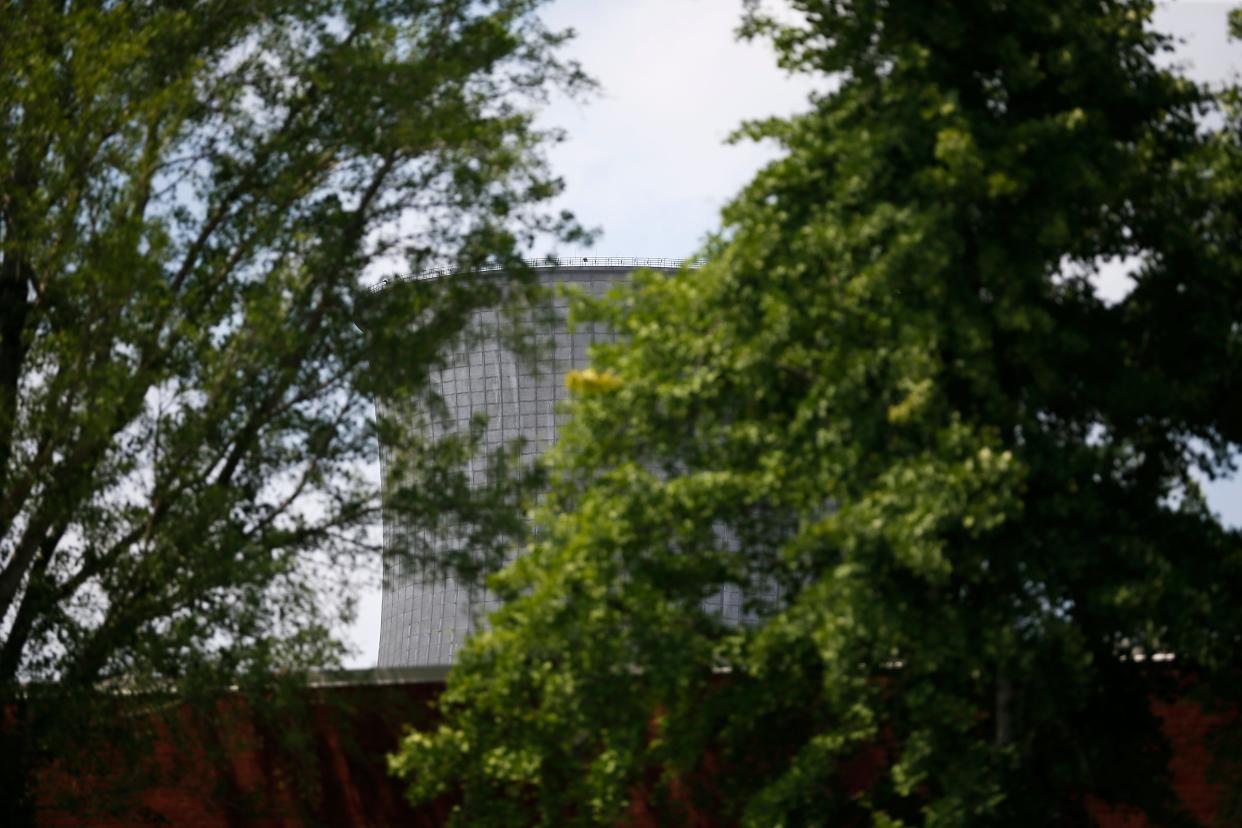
[379,676]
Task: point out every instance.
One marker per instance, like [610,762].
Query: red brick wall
[1187,728]
[227,770]
[231,771]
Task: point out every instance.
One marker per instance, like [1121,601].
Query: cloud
[646,160]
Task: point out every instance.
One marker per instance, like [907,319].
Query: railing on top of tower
[550,262]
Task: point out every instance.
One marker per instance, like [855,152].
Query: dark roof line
[551,262]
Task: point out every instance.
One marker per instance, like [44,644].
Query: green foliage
[958,488]
[190,195]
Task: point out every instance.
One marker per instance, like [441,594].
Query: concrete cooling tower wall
[425,619]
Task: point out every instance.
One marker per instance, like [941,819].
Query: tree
[190,195]
[959,488]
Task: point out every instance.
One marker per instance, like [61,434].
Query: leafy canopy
[190,197]
[958,487]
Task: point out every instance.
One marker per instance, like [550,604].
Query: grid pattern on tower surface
[424,619]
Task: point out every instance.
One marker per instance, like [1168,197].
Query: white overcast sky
[646,160]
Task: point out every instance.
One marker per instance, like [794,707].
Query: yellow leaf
[590,381]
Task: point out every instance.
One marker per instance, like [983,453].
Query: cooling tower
[425,618]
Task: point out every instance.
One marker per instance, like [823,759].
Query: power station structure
[426,616]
